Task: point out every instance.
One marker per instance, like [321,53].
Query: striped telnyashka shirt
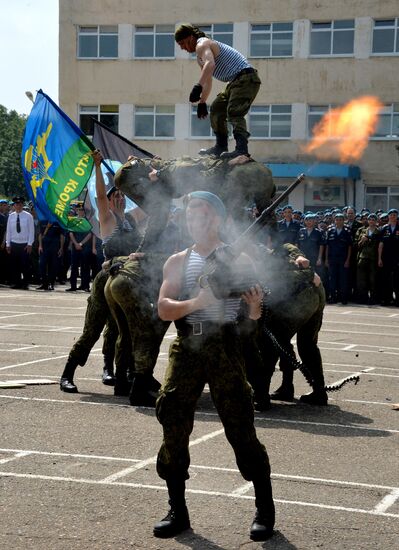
[228,63]
[222,310]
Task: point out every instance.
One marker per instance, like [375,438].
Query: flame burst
[343,133]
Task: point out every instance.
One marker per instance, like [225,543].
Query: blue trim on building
[315,170]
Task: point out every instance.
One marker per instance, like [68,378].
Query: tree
[12,127]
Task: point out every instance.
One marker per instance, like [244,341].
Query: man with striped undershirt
[206,350]
[220,61]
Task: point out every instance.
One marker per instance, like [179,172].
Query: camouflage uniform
[98,314]
[295,306]
[235,185]
[367,258]
[131,294]
[194,361]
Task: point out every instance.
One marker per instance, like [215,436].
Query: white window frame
[324,109]
[395,27]
[156,31]
[98,34]
[96,111]
[152,109]
[332,32]
[392,110]
[272,33]
[211,32]
[268,112]
[389,191]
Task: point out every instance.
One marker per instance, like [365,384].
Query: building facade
[118,63]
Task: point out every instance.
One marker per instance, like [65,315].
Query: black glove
[202,110]
[195,94]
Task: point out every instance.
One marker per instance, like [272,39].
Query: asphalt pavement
[77,471]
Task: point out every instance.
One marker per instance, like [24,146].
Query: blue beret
[372,216]
[212,199]
[393,211]
[287,206]
[339,215]
[3,201]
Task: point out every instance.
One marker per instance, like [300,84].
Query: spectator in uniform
[51,244]
[367,242]
[287,228]
[311,242]
[81,251]
[4,209]
[338,254]
[388,258]
[20,235]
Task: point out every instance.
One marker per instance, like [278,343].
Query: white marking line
[353,323]
[363,372]
[243,489]
[198,492]
[211,468]
[24,328]
[32,362]
[73,455]
[387,501]
[58,308]
[363,345]
[200,413]
[18,454]
[153,459]
[360,332]
[16,315]
[365,367]
[347,348]
[22,349]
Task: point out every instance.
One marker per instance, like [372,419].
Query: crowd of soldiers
[355,254]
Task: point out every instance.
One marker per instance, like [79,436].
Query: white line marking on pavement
[32,362]
[387,501]
[200,413]
[18,454]
[360,332]
[243,489]
[365,368]
[23,349]
[384,348]
[353,323]
[16,315]
[198,492]
[74,455]
[211,468]
[153,459]
[347,348]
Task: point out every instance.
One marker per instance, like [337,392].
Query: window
[388,122]
[270,121]
[154,41]
[271,40]
[107,114]
[332,38]
[384,197]
[386,36]
[315,114]
[222,32]
[200,127]
[98,42]
[154,122]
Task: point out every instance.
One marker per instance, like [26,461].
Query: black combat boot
[219,148]
[319,395]
[177,520]
[263,523]
[108,371]
[241,148]
[144,390]
[286,391]
[66,381]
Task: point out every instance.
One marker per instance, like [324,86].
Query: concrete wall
[299,80]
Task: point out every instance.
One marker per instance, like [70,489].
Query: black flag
[115,147]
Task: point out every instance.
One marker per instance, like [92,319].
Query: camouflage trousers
[301,315]
[97,317]
[233,104]
[193,362]
[140,329]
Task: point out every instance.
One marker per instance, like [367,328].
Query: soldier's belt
[203,328]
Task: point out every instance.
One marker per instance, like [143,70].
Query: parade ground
[77,471]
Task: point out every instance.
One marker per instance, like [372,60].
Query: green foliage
[12,127]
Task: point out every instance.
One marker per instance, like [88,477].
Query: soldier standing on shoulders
[206,350]
[224,63]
